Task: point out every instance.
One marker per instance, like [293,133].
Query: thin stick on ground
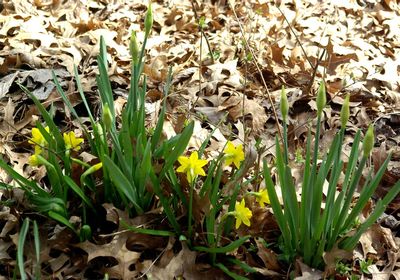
[202,32]
[249,49]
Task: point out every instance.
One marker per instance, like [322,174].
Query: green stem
[190,210]
[78,161]
[285,142]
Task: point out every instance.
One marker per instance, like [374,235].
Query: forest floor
[230,78]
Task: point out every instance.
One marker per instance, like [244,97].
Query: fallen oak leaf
[116,249]
[234,105]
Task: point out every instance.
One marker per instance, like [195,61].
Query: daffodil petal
[183,160]
[181,168]
[199,171]
[246,221]
[238,222]
[194,156]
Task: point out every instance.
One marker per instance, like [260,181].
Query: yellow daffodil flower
[262,197]
[71,142]
[233,154]
[38,139]
[242,214]
[33,160]
[192,165]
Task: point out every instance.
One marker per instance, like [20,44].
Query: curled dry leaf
[377,241]
[308,273]
[115,249]
[234,105]
[183,265]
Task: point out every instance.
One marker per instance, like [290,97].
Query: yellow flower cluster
[193,166]
[40,142]
[38,139]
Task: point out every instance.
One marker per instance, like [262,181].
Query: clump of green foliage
[139,173]
[307,229]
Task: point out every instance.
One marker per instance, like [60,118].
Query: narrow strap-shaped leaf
[213,196]
[76,189]
[366,193]
[349,195]
[126,142]
[324,169]
[223,250]
[232,204]
[290,202]
[246,268]
[350,243]
[36,238]
[177,187]
[20,249]
[276,207]
[120,155]
[104,81]
[329,207]
[144,168]
[62,220]
[24,183]
[305,207]
[165,203]
[338,205]
[230,273]
[329,211]
[158,130]
[179,148]
[208,182]
[122,183]
[65,98]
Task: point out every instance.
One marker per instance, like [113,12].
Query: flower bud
[57,208]
[148,20]
[107,116]
[133,47]
[96,167]
[85,233]
[100,129]
[345,112]
[321,98]
[369,140]
[284,104]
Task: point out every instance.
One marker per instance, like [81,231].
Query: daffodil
[71,142]
[33,160]
[192,165]
[38,139]
[262,197]
[233,154]
[242,214]
[91,170]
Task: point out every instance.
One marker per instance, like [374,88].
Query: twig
[258,69]
[308,89]
[202,32]
[297,38]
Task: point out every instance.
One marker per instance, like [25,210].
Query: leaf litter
[362,57]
